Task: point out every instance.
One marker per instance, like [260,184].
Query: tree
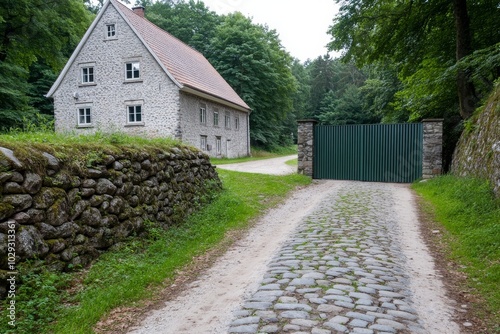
[411,33]
[379,91]
[347,108]
[322,76]
[252,60]
[34,31]
[330,80]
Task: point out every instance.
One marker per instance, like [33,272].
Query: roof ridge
[157,27]
[185,65]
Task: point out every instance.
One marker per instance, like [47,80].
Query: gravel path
[273,166]
[337,257]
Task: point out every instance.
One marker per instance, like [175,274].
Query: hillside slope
[478,150]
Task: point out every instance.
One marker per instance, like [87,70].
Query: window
[203,114]
[134,114]
[216,117]
[237,123]
[218,145]
[227,120]
[111,30]
[84,116]
[203,143]
[87,75]
[132,70]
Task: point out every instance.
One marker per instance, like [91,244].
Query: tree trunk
[465,85]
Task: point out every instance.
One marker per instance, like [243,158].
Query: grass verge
[140,268]
[469,212]
[98,138]
[257,154]
[293,162]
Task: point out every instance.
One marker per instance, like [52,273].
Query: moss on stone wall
[478,150]
[73,203]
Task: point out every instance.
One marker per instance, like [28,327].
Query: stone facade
[166,111]
[305,142]
[432,155]
[111,93]
[68,212]
[233,140]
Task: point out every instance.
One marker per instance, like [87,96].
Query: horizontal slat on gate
[375,152]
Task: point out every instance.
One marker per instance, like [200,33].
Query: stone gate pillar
[305,143]
[432,164]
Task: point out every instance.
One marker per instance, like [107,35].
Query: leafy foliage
[34,32]
[342,94]
[38,299]
[346,109]
[418,38]
[252,60]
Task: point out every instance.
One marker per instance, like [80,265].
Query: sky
[301,25]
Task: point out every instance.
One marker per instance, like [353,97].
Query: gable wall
[234,143]
[109,96]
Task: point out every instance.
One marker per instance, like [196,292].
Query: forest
[401,61]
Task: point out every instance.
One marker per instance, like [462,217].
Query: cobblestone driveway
[341,272]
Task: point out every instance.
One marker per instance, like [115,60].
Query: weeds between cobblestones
[339,273]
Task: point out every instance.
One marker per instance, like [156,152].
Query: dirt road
[337,256]
[274,166]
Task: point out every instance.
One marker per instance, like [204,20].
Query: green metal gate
[375,152]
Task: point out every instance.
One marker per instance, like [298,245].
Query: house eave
[153,54]
[86,37]
[196,92]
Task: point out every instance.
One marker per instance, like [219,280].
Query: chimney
[139,10]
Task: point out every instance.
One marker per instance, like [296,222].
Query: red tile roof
[188,66]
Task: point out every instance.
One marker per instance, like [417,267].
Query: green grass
[293,162]
[469,212]
[137,271]
[43,139]
[78,151]
[257,154]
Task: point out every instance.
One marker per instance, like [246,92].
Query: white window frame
[86,121]
[227,120]
[133,70]
[110,31]
[236,123]
[203,143]
[133,106]
[203,114]
[87,76]
[218,145]
[216,117]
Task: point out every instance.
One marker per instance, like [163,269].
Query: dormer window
[111,30]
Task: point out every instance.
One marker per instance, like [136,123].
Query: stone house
[128,75]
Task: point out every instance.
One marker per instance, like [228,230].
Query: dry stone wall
[478,151]
[67,213]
